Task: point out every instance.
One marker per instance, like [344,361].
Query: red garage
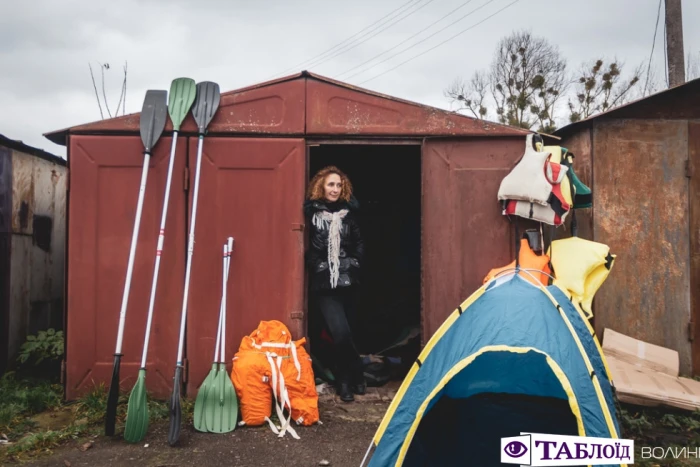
[426,179]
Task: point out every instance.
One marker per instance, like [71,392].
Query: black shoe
[345,393]
[360,388]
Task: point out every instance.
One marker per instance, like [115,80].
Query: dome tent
[514,357]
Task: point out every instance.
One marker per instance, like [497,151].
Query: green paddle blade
[200,403]
[180,99]
[221,410]
[137,411]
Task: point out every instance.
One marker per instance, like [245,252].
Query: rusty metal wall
[344,110]
[5,251]
[37,244]
[104,186]
[251,189]
[21,262]
[694,214]
[641,212]
[48,246]
[314,105]
[464,233]
[276,109]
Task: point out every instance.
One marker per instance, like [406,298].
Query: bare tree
[528,77]
[523,86]
[599,89]
[122,95]
[472,96]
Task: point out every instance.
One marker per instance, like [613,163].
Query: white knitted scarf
[333,222]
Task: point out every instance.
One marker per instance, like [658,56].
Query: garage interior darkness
[386,181]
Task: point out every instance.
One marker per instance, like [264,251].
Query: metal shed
[643,158]
[32,244]
[427,180]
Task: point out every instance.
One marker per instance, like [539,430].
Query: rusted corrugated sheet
[694,202]
[252,190]
[20,290]
[464,233]
[105,176]
[343,110]
[641,212]
[47,247]
[676,103]
[22,193]
[5,251]
[32,302]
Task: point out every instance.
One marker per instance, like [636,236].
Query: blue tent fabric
[591,349]
[508,341]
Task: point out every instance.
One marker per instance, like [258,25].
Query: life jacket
[561,189]
[527,181]
[546,164]
[530,262]
[580,267]
[583,197]
[269,364]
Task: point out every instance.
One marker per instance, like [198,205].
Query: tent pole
[366,454]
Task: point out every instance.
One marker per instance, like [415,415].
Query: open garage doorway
[386,181]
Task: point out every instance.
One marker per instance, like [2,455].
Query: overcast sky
[46,45]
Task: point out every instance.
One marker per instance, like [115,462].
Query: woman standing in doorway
[334,258]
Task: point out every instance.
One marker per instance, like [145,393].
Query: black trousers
[337,309]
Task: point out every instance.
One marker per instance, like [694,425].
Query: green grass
[22,398]
[662,428]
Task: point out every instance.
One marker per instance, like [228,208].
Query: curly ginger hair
[315,190]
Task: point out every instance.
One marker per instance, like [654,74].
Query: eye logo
[515,449]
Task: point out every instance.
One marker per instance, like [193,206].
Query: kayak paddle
[180,99]
[152,123]
[205,106]
[221,410]
[200,423]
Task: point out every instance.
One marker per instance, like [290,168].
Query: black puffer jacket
[351,245]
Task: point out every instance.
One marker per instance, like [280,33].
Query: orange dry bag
[534,268]
[269,364]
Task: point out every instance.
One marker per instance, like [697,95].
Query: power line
[441,43]
[404,41]
[421,41]
[656,28]
[381,30]
[345,40]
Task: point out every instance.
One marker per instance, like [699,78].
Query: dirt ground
[342,440]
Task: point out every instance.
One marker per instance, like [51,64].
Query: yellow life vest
[580,267]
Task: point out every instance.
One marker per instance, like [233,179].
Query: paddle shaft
[159,249]
[222,308]
[113,396]
[132,252]
[226,273]
[190,251]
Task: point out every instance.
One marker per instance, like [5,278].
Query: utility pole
[674,43]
